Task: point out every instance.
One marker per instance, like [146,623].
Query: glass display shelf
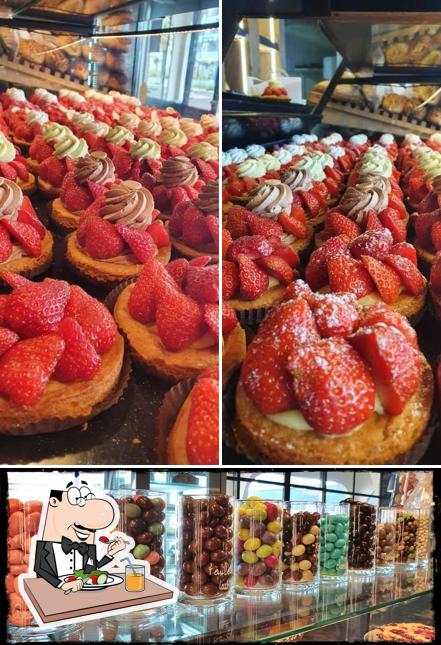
[281,614]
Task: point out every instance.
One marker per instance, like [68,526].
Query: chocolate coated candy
[213,544]
[209,589]
[222,532]
[136,526]
[215,509]
[218,556]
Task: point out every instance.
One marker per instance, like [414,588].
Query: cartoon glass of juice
[135,578]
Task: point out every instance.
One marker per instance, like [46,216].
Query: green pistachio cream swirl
[71,147]
[145,149]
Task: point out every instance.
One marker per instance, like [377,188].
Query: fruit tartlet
[147,313]
[43,145]
[194,436]
[92,175]
[421,175]
[52,170]
[144,156]
[324,381]
[256,267]
[371,267]
[117,234]
[60,357]
[25,130]
[14,167]
[194,225]
[233,342]
[25,244]
[275,90]
[177,181]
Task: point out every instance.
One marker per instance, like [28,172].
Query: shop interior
[336,608]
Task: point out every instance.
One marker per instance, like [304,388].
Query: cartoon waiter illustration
[72,519]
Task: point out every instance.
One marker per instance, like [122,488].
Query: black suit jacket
[46,567]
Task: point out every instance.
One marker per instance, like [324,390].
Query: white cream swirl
[253,168]
[7,149]
[145,149]
[150,128]
[16,94]
[203,150]
[36,116]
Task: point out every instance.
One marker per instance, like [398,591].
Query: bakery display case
[247,597]
[287,177]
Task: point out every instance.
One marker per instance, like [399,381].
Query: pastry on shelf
[25,244]
[193,438]
[401,633]
[412,108]
[394,103]
[70,45]
[80,69]
[14,167]
[57,61]
[92,175]
[52,170]
[61,359]
[117,234]
[275,90]
[32,51]
[372,268]
[434,115]
[397,54]
[352,389]
[194,225]
[147,313]
[429,93]
[419,47]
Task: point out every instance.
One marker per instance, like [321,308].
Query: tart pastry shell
[29,266]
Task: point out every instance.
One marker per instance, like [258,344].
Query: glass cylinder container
[334,540]
[406,537]
[301,543]
[423,541]
[385,547]
[205,547]
[258,565]
[142,517]
[362,527]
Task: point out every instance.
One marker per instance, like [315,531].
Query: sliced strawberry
[213,229]
[178,270]
[179,194]
[349,275]
[95,319]
[25,217]
[293,226]
[53,171]
[3,302]
[333,173]
[394,362]
[332,186]
[24,234]
[390,218]
[316,272]
[195,231]
[237,222]
[336,316]
[74,196]
[27,367]
[226,241]
[382,313]
[171,307]
[123,163]
[37,308]
[265,226]
[253,281]
[397,204]
[377,244]
[406,250]
[289,254]
[80,361]
[423,228]
[202,441]
[310,202]
[435,275]
[435,234]
[299,289]
[21,169]
[140,242]
[200,261]
[372,222]
[229,319]
[5,245]
[385,278]
[211,317]
[7,171]
[298,213]
[276,267]
[14,280]
[254,246]
[410,277]
[342,225]
[142,302]
[320,195]
[7,339]
[96,190]
[202,283]
[102,240]
[230,279]
[205,170]
[159,233]
[332,385]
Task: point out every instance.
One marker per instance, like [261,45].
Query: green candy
[336,554]
[340,543]
[329,546]
[340,529]
[331,537]
[330,564]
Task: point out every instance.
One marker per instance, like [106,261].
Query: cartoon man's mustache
[84,528]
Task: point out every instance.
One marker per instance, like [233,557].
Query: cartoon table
[52,604]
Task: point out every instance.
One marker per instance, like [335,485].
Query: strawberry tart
[52,170]
[43,144]
[25,244]
[327,382]
[371,267]
[24,130]
[401,633]
[194,225]
[14,167]
[92,175]
[170,317]
[194,437]
[117,234]
[60,356]
[275,90]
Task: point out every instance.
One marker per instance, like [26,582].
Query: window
[343,480]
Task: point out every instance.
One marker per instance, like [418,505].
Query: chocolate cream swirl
[177,171]
[96,167]
[208,201]
[11,199]
[297,179]
[270,199]
[355,203]
[128,203]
